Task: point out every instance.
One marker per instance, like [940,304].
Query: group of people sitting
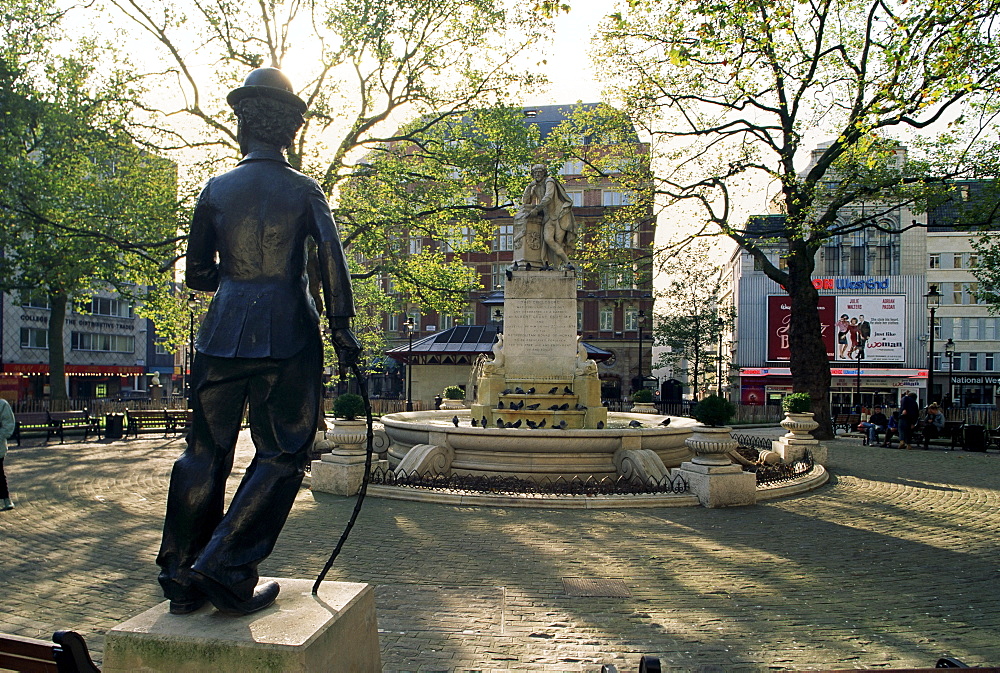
[903,422]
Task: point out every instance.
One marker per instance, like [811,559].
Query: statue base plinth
[338,473]
[720,486]
[334,631]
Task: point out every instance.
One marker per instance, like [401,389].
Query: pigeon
[516,423]
[515,267]
[454,420]
[665,422]
[600,425]
[541,423]
[567,390]
[581,407]
[483,421]
[506,391]
[509,274]
[564,407]
[508,425]
[554,389]
[527,266]
[519,391]
[520,405]
[475,423]
[500,406]
[547,267]
[499,422]
[554,407]
[530,391]
[634,424]
[561,426]
[569,267]
[532,424]
[532,407]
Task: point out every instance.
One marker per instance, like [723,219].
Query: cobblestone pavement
[891,564]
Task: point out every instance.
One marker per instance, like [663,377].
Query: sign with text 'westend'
[870,325]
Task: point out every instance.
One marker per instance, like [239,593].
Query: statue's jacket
[248,245]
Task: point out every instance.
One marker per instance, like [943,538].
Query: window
[858,260]
[937,362]
[831,256]
[469,317]
[990,329]
[607,319]
[393,322]
[35,299]
[579,320]
[973,362]
[34,337]
[956,293]
[783,262]
[616,197]
[104,343]
[974,328]
[616,278]
[107,306]
[498,276]
[934,261]
[973,290]
[957,362]
[989,360]
[416,245]
[958,260]
[973,260]
[160,347]
[446,322]
[622,235]
[883,261]
[505,237]
[937,327]
[577,198]
[631,319]
[458,238]
[414,317]
[571,168]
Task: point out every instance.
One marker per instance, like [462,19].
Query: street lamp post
[642,321]
[858,382]
[933,301]
[718,373]
[949,351]
[192,303]
[408,326]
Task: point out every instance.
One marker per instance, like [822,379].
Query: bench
[168,420]
[63,421]
[951,435]
[849,422]
[66,654]
[31,422]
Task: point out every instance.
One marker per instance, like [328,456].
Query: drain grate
[578,586]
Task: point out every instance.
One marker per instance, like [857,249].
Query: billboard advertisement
[869,325]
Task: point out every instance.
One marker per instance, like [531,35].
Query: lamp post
[718,373]
[933,301]
[858,382]
[949,351]
[642,321]
[192,303]
[408,326]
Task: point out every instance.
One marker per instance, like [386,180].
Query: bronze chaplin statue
[259,347]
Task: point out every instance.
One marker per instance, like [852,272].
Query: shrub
[348,406]
[714,411]
[454,393]
[797,403]
[642,395]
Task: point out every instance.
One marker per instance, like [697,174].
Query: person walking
[909,412]
[7,425]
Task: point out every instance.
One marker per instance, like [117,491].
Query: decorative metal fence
[99,406]
[508,485]
[750,447]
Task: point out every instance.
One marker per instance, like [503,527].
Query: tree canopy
[735,95]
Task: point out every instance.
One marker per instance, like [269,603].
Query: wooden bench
[951,435]
[66,654]
[31,422]
[63,421]
[168,420]
[849,422]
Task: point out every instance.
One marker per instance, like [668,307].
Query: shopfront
[20,382]
[966,389]
[874,386]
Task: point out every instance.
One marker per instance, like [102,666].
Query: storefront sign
[107,370]
[975,380]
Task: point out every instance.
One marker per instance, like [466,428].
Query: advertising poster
[871,326]
[779,314]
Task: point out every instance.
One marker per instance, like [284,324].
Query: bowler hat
[270,83]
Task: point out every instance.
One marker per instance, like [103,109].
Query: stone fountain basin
[527,453]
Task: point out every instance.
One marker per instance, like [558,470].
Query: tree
[733,94]
[81,205]
[693,319]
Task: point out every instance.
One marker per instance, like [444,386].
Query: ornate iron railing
[507,485]
[752,441]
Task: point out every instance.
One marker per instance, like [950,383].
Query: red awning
[107,370]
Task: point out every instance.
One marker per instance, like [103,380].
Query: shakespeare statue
[546,202]
[258,348]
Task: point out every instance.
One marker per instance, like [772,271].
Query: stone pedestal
[334,631]
[339,472]
[793,448]
[539,328]
[720,485]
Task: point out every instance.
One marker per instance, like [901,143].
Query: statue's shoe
[186,607]
[224,600]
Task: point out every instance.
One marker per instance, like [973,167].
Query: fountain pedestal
[540,361]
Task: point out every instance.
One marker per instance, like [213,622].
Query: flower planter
[349,435]
[799,425]
[711,444]
[644,408]
[452,405]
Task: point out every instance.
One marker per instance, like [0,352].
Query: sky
[569,67]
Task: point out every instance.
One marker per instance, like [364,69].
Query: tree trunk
[58,399]
[809,363]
